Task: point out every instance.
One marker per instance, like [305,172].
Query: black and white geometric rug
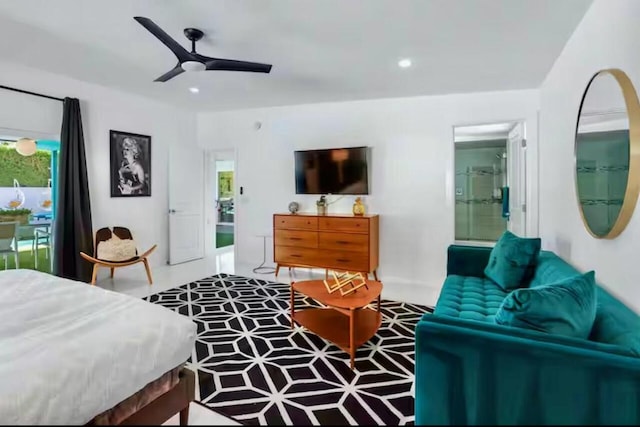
[254,368]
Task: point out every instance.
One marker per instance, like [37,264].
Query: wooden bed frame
[168,404]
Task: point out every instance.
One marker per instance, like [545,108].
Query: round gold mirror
[607,153]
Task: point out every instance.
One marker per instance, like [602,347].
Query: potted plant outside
[15,215]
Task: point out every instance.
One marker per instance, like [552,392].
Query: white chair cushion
[116,249]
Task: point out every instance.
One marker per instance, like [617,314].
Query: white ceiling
[321,50]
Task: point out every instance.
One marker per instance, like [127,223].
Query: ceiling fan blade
[232,65]
[180,52]
[170,74]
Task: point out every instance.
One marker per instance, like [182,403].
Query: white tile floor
[132,281]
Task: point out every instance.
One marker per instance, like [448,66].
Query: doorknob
[172,211]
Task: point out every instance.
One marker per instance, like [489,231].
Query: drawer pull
[343,260]
[295,256]
[342,242]
[295,238]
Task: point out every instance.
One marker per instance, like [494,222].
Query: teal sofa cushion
[616,324]
[469,297]
[513,260]
[567,307]
[551,268]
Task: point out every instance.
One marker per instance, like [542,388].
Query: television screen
[334,171]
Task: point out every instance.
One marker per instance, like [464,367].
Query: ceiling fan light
[26,146]
[193,66]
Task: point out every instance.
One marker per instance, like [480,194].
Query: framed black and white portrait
[130,164]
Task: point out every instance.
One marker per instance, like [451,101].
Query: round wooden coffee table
[345,321]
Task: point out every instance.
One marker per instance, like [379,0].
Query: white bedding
[69,351]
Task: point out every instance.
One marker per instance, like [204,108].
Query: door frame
[210,219]
[531,134]
[49,140]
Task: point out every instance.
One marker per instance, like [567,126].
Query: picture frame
[130,164]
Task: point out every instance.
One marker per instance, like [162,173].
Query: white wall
[40,117]
[608,37]
[104,109]
[411,169]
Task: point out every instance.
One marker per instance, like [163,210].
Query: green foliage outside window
[14,212]
[225,184]
[31,171]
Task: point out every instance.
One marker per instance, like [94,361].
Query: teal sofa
[470,370]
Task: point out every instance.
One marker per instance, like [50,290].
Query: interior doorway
[490,181]
[224,203]
[221,201]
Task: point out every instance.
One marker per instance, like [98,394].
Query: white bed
[69,351]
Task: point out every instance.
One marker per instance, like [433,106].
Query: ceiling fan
[193,61]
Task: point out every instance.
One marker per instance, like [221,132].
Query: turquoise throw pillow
[512,261]
[567,307]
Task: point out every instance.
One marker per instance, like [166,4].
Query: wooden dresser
[333,242]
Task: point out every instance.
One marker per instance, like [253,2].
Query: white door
[186,210]
[516,179]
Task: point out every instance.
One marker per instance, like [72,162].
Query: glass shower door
[479,190]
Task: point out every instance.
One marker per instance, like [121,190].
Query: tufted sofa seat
[472,298]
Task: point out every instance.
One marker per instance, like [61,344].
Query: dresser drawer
[296,238]
[344,241]
[352,225]
[343,260]
[293,222]
[291,255]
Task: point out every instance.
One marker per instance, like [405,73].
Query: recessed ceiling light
[404,63]
[194,90]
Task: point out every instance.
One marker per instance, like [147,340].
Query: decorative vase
[322,205]
[358,207]
[294,207]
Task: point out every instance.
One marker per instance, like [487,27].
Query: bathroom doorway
[490,181]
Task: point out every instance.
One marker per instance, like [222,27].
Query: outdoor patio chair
[43,238]
[9,241]
[26,232]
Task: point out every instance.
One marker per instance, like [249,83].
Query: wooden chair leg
[375,275]
[184,416]
[112,269]
[146,267]
[94,276]
[277,269]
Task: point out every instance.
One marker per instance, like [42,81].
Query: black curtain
[73,231]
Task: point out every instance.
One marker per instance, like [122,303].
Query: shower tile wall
[479,178]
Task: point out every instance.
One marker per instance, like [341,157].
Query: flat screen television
[333,171]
